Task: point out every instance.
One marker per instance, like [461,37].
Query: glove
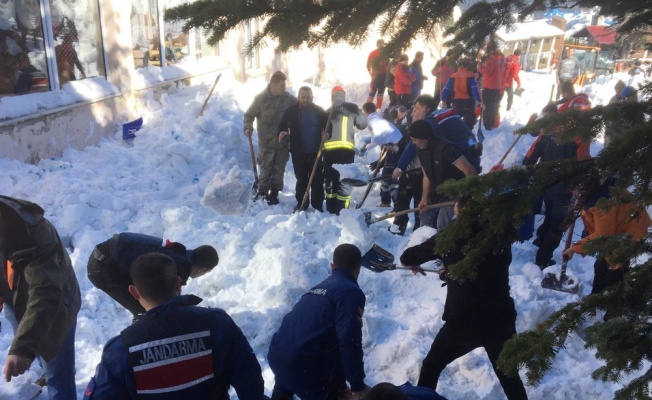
[360,152]
[443,275]
[391,147]
[366,140]
[373,165]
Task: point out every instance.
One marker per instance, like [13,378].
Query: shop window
[23,66]
[146,42]
[176,42]
[78,39]
[75,37]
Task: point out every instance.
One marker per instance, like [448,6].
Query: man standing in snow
[304,122]
[377,67]
[340,148]
[41,296]
[477,313]
[178,350]
[463,89]
[569,70]
[512,67]
[318,346]
[267,109]
[442,71]
[110,262]
[493,86]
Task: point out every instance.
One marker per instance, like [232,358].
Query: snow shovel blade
[378,259]
[354,182]
[564,283]
[254,191]
[367,218]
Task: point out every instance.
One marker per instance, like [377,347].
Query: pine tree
[501,199]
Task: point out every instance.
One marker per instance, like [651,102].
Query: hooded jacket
[40,283]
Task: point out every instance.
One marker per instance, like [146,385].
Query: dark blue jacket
[123,249]
[193,342]
[448,124]
[322,335]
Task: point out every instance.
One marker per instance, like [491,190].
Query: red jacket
[493,71]
[512,66]
[403,79]
[378,66]
[442,70]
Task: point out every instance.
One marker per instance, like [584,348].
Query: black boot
[272,197]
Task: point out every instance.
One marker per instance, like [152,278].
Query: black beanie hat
[421,129]
[205,256]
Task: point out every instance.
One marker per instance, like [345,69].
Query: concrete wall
[48,134]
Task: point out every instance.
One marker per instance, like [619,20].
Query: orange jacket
[493,71]
[617,220]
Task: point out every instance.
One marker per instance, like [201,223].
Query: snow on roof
[529,29]
[600,33]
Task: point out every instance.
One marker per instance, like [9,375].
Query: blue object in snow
[129,128]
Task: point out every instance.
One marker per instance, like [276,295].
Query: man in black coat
[109,264]
[477,313]
[304,122]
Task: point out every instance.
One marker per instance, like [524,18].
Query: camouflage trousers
[272,167]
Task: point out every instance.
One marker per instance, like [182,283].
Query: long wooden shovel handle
[510,148]
[253,157]
[201,111]
[411,210]
[306,195]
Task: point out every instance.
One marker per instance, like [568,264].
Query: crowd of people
[175,349]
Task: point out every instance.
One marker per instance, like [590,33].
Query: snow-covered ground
[268,256]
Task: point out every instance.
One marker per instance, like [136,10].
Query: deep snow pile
[268,256]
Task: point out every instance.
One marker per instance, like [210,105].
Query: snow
[268,256]
[528,30]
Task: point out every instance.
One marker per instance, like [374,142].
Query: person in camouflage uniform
[268,108]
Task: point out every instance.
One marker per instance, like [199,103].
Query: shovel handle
[306,195]
[411,210]
[253,157]
[210,92]
[383,153]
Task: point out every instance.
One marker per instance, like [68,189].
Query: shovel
[499,166]
[480,133]
[378,259]
[254,189]
[369,221]
[359,182]
[563,283]
[370,185]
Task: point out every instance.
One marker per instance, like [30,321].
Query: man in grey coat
[268,108]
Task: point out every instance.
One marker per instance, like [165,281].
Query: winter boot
[272,197]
